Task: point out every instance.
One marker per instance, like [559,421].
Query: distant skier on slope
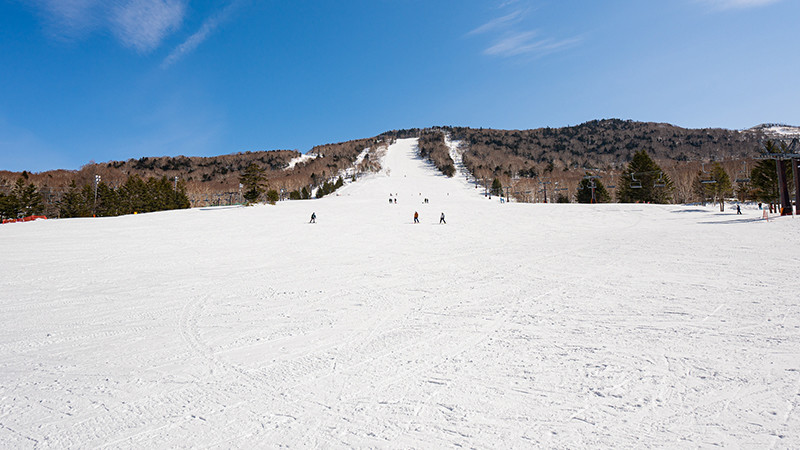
[738,209]
[416,217]
[313,218]
[441,219]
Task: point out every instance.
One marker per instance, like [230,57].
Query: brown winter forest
[519,158]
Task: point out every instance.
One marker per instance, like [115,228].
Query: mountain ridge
[565,153]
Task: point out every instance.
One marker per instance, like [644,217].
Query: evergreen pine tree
[8,207]
[584,194]
[133,196]
[73,203]
[721,187]
[28,200]
[273,196]
[764,180]
[497,187]
[253,181]
[644,172]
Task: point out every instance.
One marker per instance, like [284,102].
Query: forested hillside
[560,157]
[531,161]
[206,180]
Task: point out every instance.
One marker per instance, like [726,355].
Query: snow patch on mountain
[778,130]
[300,159]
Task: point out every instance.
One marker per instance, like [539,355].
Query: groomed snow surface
[513,325]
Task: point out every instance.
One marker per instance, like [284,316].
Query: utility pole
[94,207]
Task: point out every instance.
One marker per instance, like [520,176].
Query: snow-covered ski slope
[512,326]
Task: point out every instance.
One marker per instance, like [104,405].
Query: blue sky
[102,80]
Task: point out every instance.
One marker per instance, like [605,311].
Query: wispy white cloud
[737,4]
[520,43]
[70,19]
[208,27]
[138,24]
[510,38]
[143,24]
[499,22]
[506,3]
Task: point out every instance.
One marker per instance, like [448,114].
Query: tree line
[24,200]
[432,147]
[643,181]
[255,187]
[135,195]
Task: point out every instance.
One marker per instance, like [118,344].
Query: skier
[416,217]
[390,201]
[738,209]
[441,219]
[313,218]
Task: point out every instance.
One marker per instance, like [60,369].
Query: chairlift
[706,180]
[635,184]
[742,176]
[660,183]
[612,185]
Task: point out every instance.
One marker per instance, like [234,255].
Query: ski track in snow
[514,325]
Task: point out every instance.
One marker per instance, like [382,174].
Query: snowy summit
[512,325]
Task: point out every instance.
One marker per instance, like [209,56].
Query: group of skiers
[441,218]
[416,218]
[392,201]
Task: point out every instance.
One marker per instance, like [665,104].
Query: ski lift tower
[789,151]
[544,188]
[592,185]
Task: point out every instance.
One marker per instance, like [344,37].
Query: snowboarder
[738,209]
[416,217]
[390,201]
[313,218]
[441,219]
